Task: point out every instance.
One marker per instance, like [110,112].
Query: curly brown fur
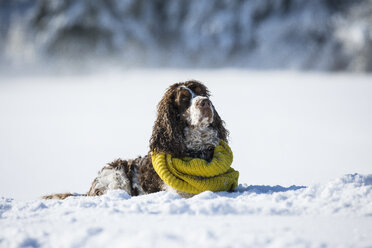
[219,125]
[149,179]
[167,134]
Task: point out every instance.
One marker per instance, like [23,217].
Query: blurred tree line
[296,34]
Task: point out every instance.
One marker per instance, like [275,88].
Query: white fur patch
[200,138]
[194,115]
[111,179]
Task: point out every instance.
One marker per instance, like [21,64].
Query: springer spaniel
[187,125]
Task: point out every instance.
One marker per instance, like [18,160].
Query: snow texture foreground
[334,214]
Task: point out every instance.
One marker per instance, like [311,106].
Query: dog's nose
[205,103]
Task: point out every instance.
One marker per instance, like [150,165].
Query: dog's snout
[205,103]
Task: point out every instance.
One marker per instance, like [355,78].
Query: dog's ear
[219,125]
[167,133]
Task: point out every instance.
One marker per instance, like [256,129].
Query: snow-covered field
[287,128]
[335,214]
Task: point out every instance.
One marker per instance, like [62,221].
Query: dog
[187,125]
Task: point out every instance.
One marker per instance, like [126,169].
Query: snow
[278,217]
[307,133]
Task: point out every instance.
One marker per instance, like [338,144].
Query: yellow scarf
[194,175]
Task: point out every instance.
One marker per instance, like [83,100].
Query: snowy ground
[335,214]
[287,128]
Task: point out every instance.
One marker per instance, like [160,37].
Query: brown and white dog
[187,125]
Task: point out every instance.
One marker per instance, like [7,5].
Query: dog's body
[187,125]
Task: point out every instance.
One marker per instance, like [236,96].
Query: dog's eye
[185,96]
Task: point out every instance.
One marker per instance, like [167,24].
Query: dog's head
[183,105]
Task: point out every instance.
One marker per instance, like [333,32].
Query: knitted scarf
[194,175]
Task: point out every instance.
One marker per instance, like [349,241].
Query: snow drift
[207,219]
[348,195]
[318,34]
